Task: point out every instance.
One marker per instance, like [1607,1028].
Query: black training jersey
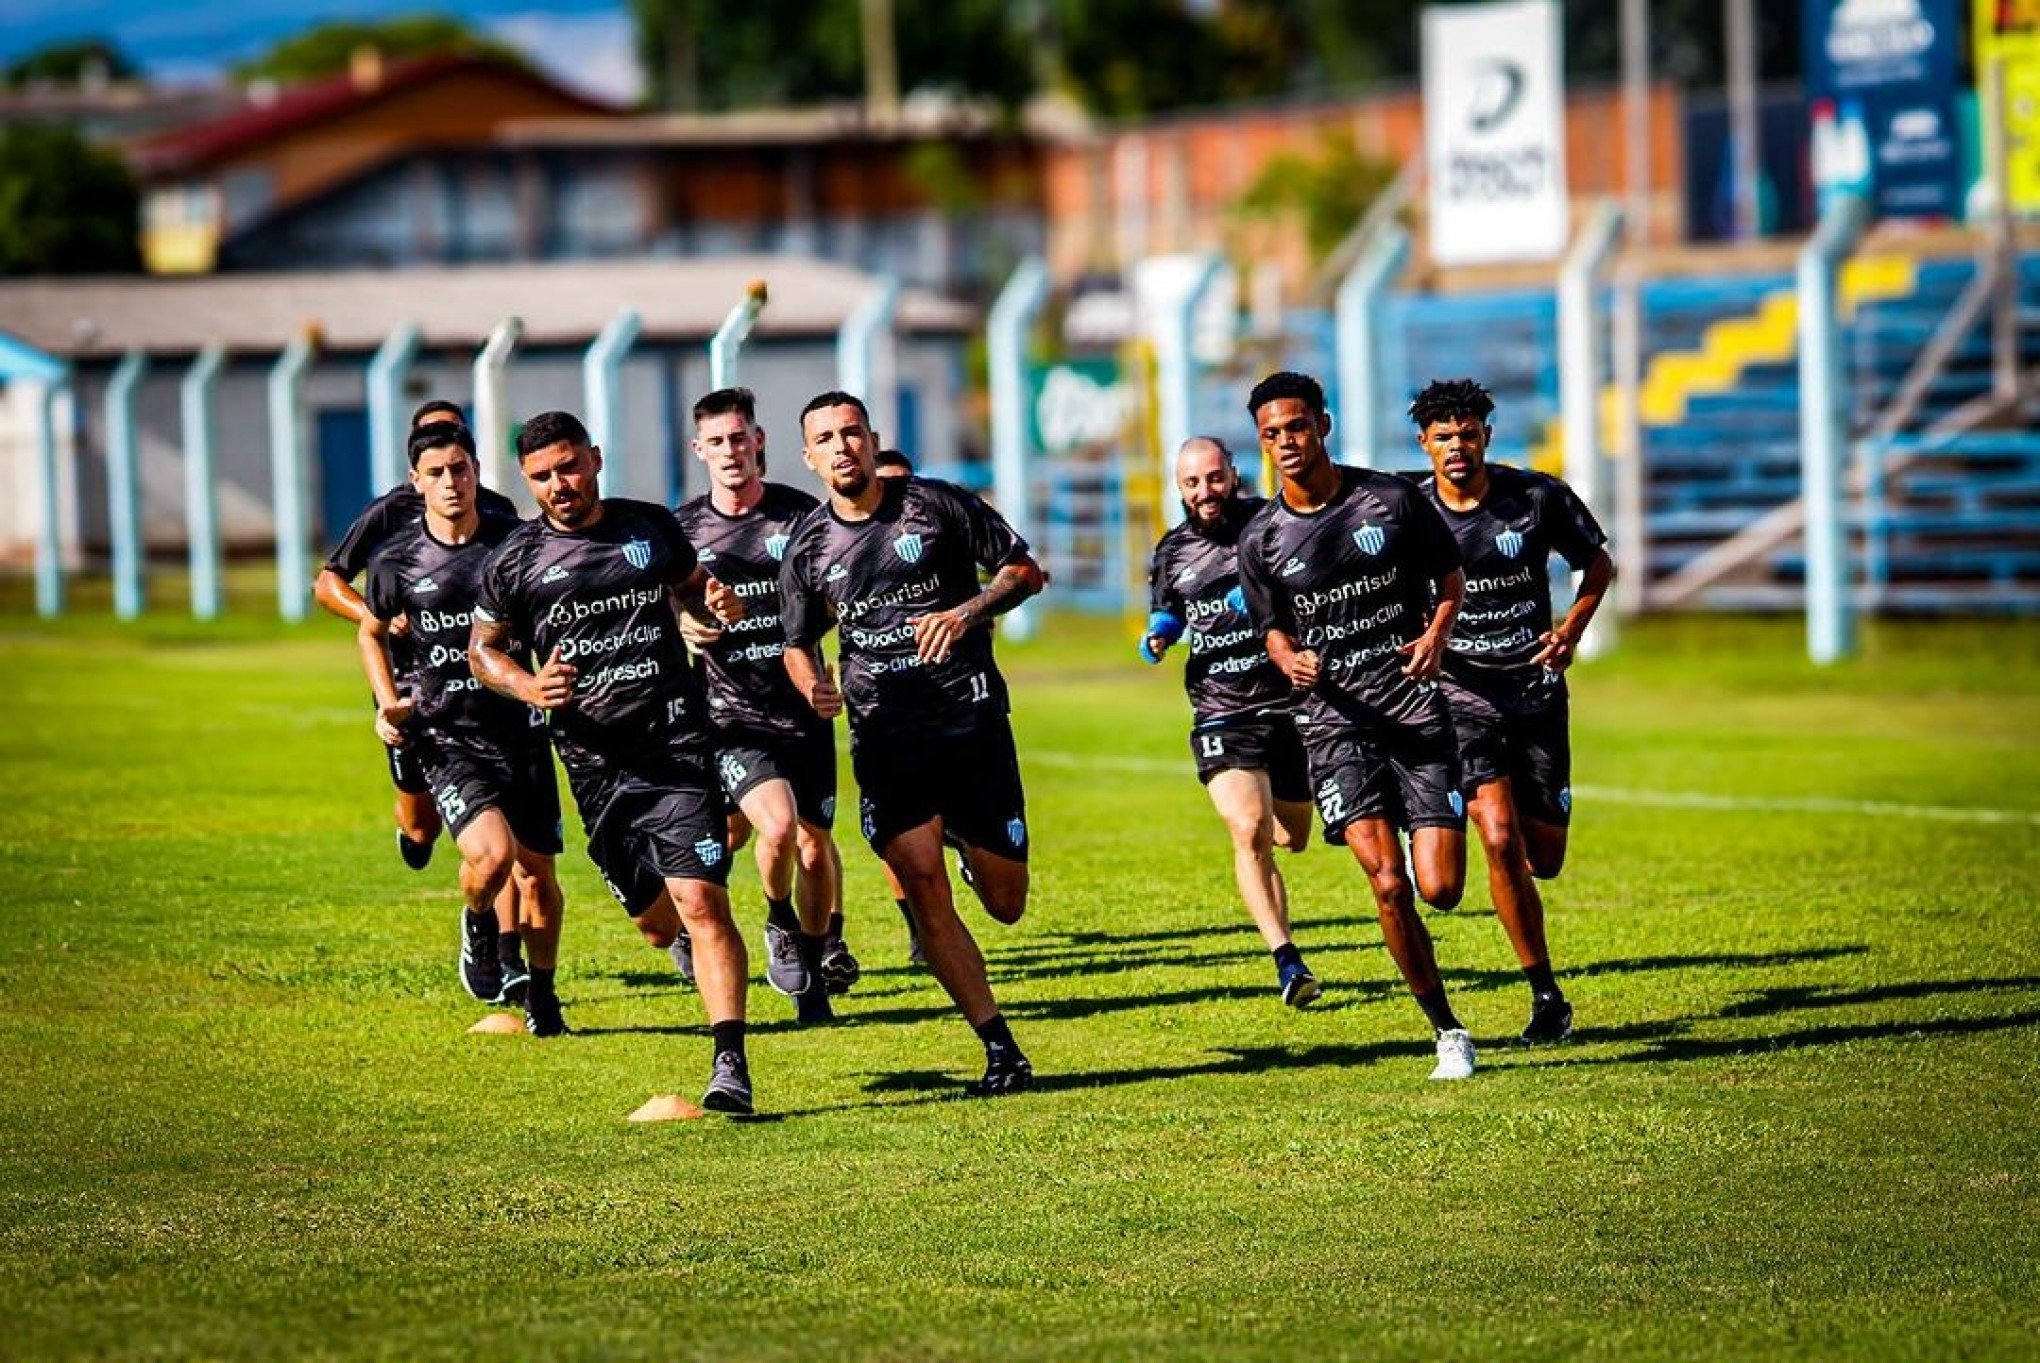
[919,552]
[1195,577]
[433,584]
[600,596]
[1351,581]
[1507,542]
[393,513]
[744,669]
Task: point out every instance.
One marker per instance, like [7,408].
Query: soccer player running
[1354,580]
[777,758]
[894,564]
[592,586]
[1242,736]
[485,759]
[1505,672]
[396,512]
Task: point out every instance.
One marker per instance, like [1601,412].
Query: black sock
[542,982]
[907,914]
[729,1037]
[779,913]
[835,932]
[1438,1010]
[477,915]
[1287,955]
[811,946]
[1542,981]
[996,1035]
[510,949]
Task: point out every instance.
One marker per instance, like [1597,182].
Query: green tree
[66,207]
[327,49]
[70,63]
[1324,192]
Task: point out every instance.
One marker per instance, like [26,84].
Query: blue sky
[585,42]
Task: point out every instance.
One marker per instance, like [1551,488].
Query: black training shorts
[969,779]
[1255,743]
[1531,750]
[746,759]
[654,813]
[467,776]
[1407,774]
[404,772]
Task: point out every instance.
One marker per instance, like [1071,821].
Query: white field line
[1616,795]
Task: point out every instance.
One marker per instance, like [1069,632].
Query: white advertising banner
[1494,131]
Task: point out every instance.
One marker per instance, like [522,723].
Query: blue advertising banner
[1880,87]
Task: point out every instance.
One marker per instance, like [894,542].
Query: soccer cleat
[1455,1055]
[1300,988]
[542,1017]
[1006,1071]
[481,974]
[1550,1019]
[783,965]
[729,1087]
[416,855]
[838,968]
[682,952]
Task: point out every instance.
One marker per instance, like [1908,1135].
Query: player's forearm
[1281,648]
[337,595]
[1451,595]
[375,662]
[1594,585]
[498,671]
[801,668]
[1010,586]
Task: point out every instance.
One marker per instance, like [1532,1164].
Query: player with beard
[592,585]
[1505,673]
[396,513]
[1242,737]
[485,759]
[1353,580]
[777,758]
[894,564]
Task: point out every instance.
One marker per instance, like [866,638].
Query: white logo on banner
[1494,131]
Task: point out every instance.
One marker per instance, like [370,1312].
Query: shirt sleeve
[370,529]
[993,542]
[803,612]
[1267,604]
[379,593]
[1575,534]
[679,549]
[1162,595]
[496,597]
[1436,552]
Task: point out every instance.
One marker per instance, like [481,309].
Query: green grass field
[242,1117]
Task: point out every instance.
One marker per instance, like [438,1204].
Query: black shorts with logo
[404,772]
[1530,749]
[654,813]
[1407,774]
[747,758]
[466,776]
[969,779]
[1254,743]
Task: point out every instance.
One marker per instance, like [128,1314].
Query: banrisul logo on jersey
[908,547]
[638,553]
[1509,543]
[1370,538]
[775,545]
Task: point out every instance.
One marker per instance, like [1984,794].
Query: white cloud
[594,53]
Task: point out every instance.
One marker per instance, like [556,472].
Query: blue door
[344,488]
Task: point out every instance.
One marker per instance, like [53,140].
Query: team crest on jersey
[1370,538]
[709,850]
[775,545]
[1509,543]
[1016,832]
[638,553]
[908,547]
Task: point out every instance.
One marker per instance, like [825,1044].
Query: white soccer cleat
[1455,1055]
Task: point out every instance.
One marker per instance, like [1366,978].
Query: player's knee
[1391,886]
[1547,862]
[814,847]
[776,833]
[1498,831]
[1442,890]
[703,908]
[1005,903]
[1250,833]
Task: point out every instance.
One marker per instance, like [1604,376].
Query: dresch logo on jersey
[1370,538]
[775,545]
[638,553]
[1509,543]
[908,547]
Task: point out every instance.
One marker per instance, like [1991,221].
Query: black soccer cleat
[1006,1071]
[729,1087]
[542,1017]
[838,968]
[481,973]
[1550,1019]
[416,855]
